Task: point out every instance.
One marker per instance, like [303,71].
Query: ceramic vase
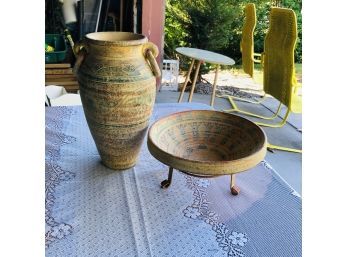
[117,74]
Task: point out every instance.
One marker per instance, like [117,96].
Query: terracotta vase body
[116,74]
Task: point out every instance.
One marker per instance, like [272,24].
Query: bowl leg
[166,183]
[234,189]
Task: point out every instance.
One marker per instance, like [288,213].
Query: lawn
[237,69]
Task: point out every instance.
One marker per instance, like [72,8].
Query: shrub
[216,25]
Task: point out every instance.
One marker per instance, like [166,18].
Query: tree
[216,25]
[296,5]
[175,33]
[203,24]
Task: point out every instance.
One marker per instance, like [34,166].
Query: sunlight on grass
[237,69]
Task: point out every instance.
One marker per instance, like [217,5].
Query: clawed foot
[165,183]
[235,190]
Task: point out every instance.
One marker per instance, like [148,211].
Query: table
[202,56]
[91,210]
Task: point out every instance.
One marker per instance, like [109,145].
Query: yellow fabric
[247,42]
[296,100]
[278,59]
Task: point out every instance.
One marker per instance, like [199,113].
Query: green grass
[298,70]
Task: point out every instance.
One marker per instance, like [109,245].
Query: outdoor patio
[59,197]
[146,153]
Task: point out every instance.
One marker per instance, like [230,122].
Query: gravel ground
[229,83]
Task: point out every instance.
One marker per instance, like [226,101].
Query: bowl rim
[257,152]
[107,37]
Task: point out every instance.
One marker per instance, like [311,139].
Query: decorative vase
[116,73]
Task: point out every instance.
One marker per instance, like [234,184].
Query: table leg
[166,183]
[194,80]
[214,86]
[234,189]
[186,81]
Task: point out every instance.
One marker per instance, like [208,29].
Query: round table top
[206,56]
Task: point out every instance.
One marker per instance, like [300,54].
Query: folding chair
[279,78]
[248,57]
[53,92]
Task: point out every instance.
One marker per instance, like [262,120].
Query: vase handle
[151,52]
[80,51]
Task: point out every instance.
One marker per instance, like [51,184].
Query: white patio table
[201,56]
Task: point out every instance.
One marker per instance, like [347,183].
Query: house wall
[153,25]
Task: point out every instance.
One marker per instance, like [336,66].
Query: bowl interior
[207,136]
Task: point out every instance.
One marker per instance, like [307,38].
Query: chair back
[279,47]
[247,42]
[52,92]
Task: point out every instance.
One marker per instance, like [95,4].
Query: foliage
[262,13]
[209,20]
[198,23]
[296,5]
[175,34]
[217,24]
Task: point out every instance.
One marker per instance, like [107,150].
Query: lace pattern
[54,173]
[231,242]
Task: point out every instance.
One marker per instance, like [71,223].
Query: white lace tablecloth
[94,211]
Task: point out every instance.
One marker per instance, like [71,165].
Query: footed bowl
[207,143]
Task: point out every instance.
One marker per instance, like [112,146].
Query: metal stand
[166,183]
[234,189]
